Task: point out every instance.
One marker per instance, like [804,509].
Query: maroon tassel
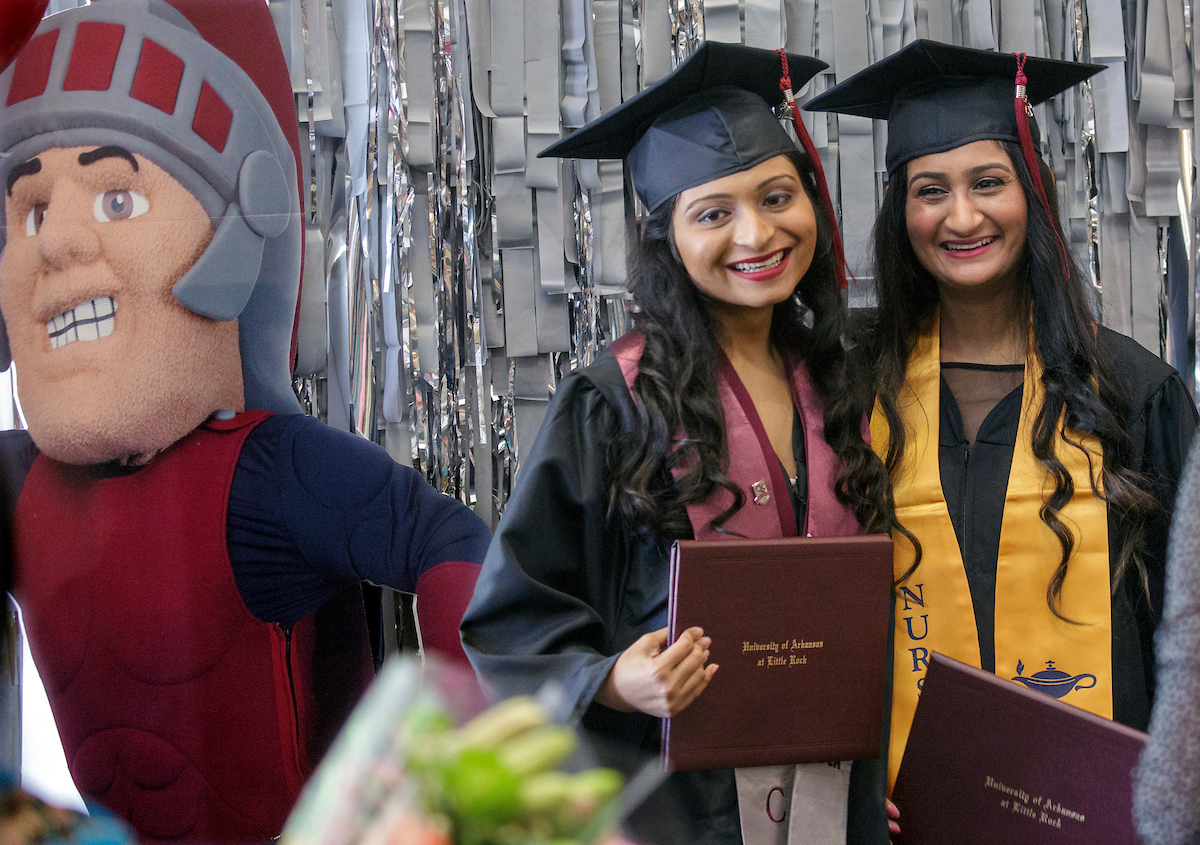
[839,254]
[1024,112]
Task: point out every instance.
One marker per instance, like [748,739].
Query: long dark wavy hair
[676,386]
[1080,383]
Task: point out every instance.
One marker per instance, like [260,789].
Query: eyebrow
[928,174]
[28,168]
[758,187]
[108,152]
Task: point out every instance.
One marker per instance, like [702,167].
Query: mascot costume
[188,547]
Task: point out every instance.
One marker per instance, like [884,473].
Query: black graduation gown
[974,481]
[563,592]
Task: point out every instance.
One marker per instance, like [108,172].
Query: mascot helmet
[138,75]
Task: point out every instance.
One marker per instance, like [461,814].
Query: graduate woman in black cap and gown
[1034,455]
[725,412]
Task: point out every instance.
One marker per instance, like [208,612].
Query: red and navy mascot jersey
[198,623]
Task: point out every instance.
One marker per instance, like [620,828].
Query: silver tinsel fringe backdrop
[452,278]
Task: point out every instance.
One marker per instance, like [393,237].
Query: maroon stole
[753,465]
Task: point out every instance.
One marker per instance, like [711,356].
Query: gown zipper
[287,634]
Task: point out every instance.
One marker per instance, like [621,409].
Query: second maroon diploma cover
[799,629]
[993,763]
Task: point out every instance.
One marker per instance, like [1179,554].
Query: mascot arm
[313,509]
[16,457]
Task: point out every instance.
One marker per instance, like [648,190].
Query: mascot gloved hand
[188,547]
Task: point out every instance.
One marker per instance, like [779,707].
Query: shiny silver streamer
[1088,158]
[307,389]
[363,310]
[472,196]
[586,332]
[595,320]
[365,314]
[454,291]
[505,455]
[687,28]
[396,234]
[1164,309]
[505,426]
[312,99]
[471,202]
[1087,155]
[588,336]
[618,315]
[363,307]
[387,70]
[358,265]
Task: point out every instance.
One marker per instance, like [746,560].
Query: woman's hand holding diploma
[658,680]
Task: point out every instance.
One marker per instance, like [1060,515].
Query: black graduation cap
[710,118]
[936,96]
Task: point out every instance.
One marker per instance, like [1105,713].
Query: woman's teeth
[965,247]
[758,266]
[89,320]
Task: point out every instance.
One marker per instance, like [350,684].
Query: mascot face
[109,365]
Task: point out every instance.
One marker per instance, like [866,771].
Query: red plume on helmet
[18,20]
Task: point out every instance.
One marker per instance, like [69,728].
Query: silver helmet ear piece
[221,281]
[264,195]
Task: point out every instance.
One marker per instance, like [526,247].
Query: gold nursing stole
[1069,660]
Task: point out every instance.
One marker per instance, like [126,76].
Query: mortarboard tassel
[839,254]
[1024,112]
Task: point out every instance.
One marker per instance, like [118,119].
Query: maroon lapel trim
[742,456]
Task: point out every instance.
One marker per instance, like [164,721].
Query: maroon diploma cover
[799,629]
[993,763]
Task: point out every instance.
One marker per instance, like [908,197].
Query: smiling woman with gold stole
[1034,455]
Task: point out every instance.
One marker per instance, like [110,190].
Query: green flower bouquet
[407,769]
